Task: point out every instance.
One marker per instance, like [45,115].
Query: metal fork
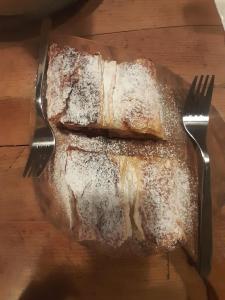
[195,121]
[43,143]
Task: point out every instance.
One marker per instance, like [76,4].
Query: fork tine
[34,162]
[204,85]
[40,161]
[199,85]
[44,161]
[29,173]
[193,85]
[38,172]
[208,96]
[210,87]
[26,169]
[28,164]
[197,104]
[190,97]
[40,169]
[43,157]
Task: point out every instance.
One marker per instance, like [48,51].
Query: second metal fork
[43,143]
[195,121]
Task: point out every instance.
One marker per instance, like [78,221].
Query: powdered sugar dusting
[59,183]
[171,115]
[60,78]
[167,206]
[136,99]
[105,94]
[93,179]
[84,101]
[117,193]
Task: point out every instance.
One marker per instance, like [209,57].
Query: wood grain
[186,51]
[12,158]
[119,15]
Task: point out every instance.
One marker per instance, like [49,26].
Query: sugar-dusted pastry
[117,193]
[86,91]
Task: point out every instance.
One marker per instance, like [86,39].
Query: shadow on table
[196,287]
[17,28]
[57,285]
[115,278]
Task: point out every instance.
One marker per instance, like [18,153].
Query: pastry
[118,192]
[127,193]
[86,91]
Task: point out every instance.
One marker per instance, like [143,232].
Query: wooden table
[36,260]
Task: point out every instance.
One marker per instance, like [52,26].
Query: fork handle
[42,67]
[205,226]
